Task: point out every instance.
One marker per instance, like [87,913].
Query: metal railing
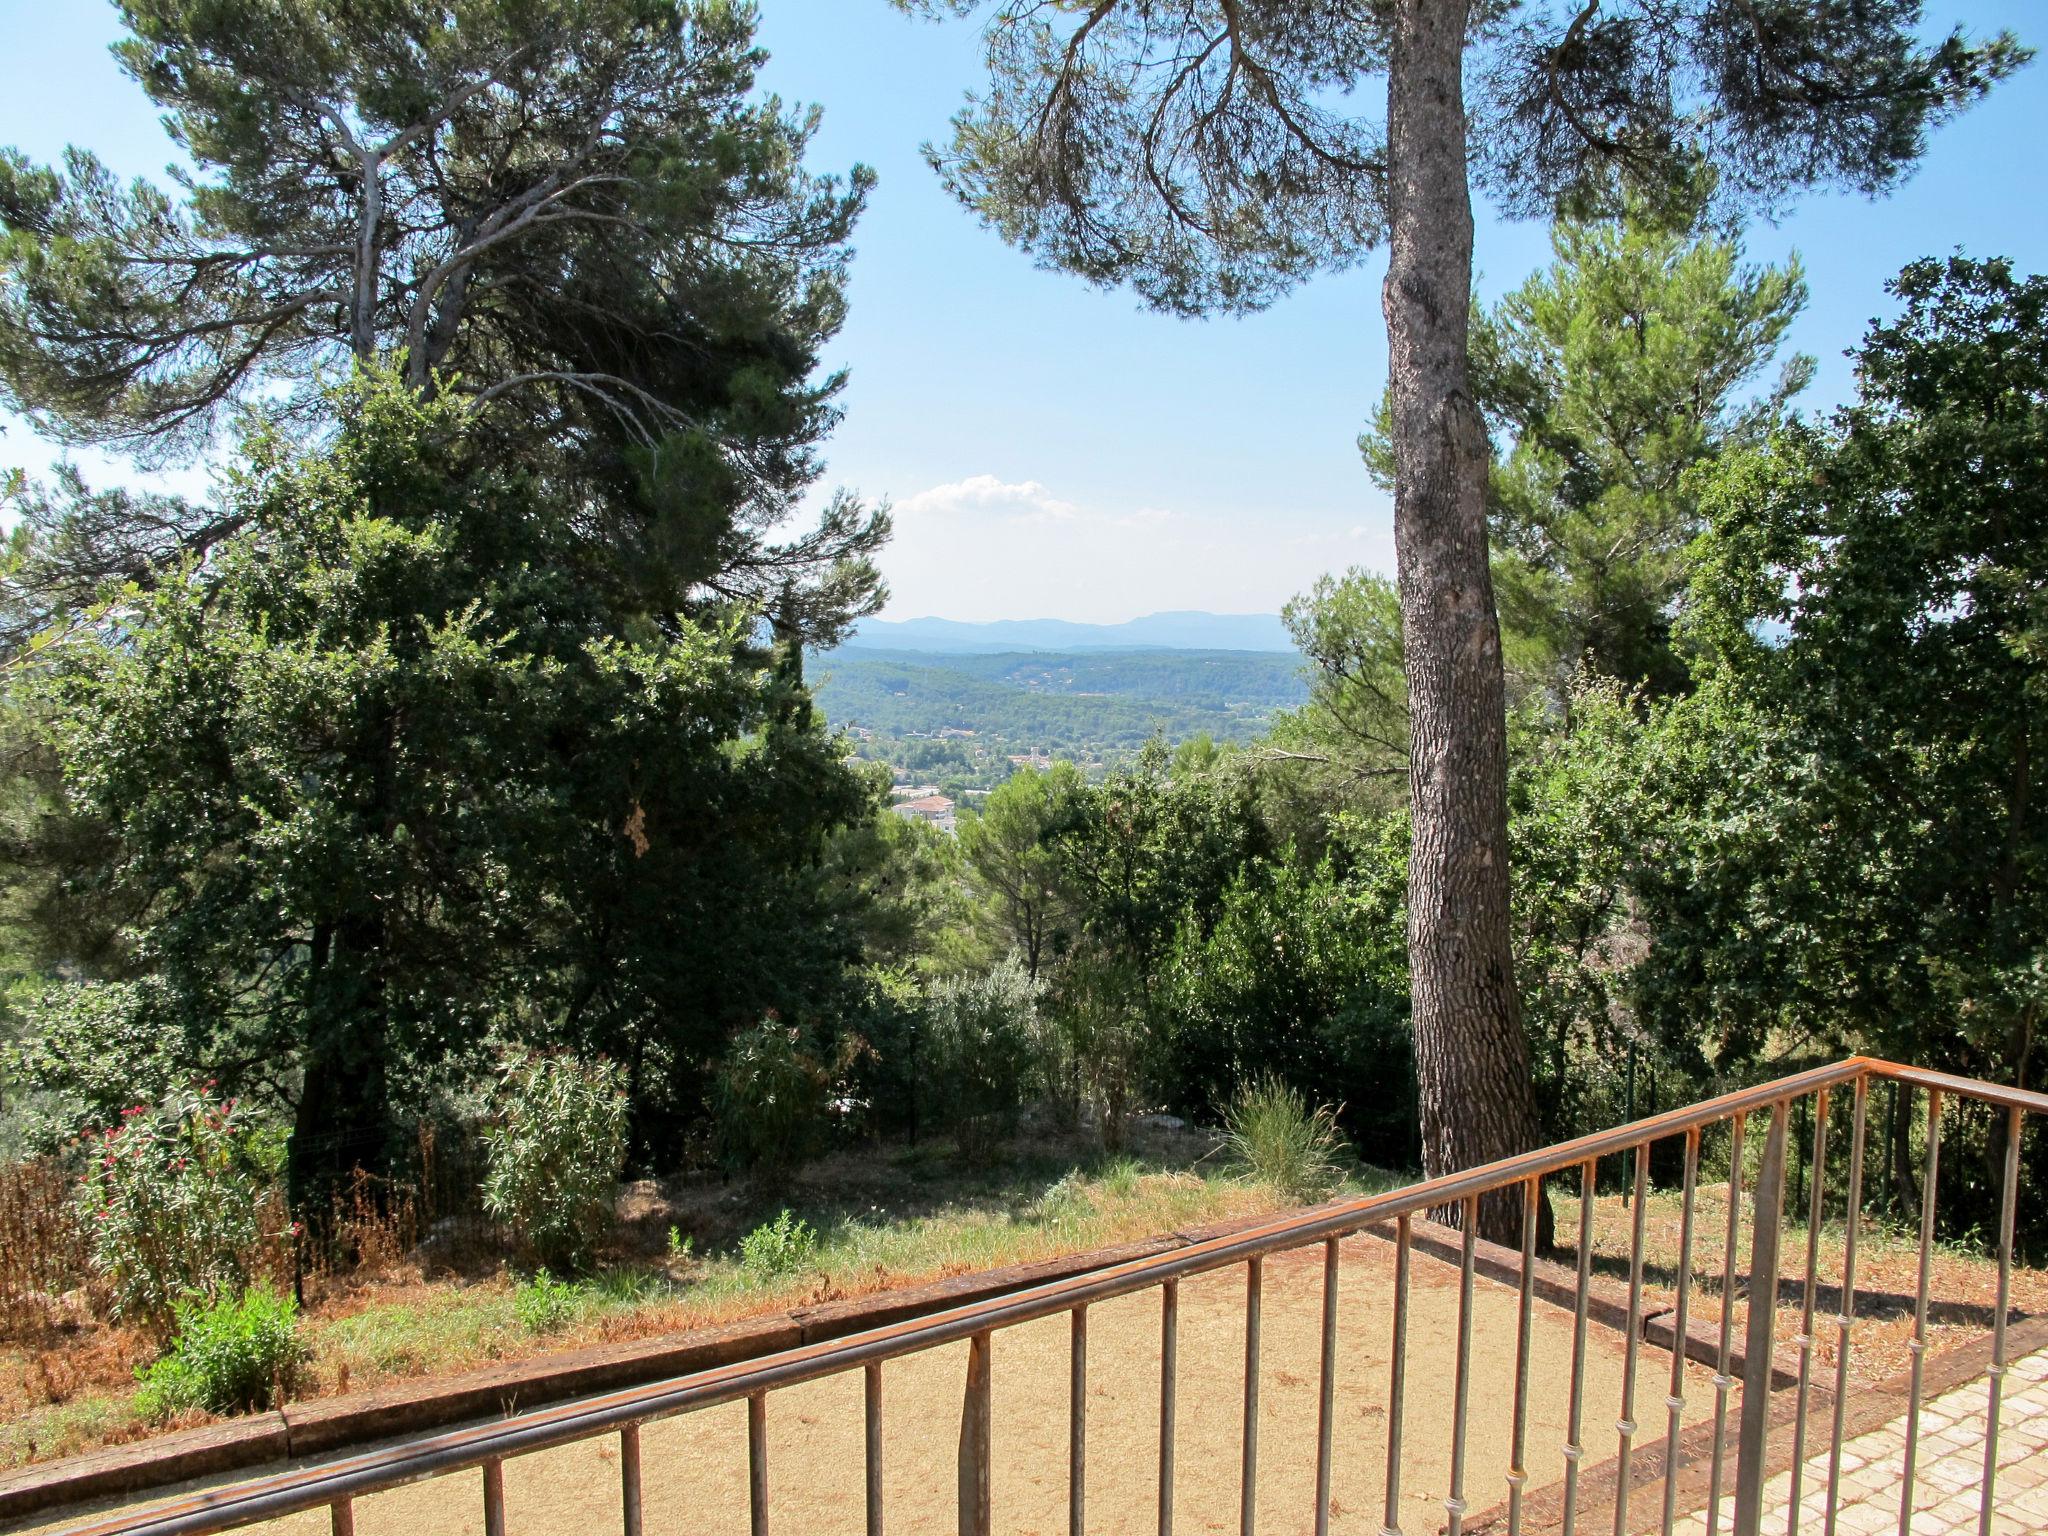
[338,1484]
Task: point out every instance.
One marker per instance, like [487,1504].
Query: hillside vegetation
[1091,706]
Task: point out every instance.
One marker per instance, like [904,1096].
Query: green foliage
[1101,1032]
[555,1150]
[233,1354]
[177,1203]
[780,1247]
[490,203]
[1607,379]
[544,1304]
[392,774]
[978,1058]
[898,880]
[1283,1141]
[1211,165]
[772,1100]
[1146,848]
[1302,981]
[1871,599]
[1007,846]
[86,1051]
[1347,746]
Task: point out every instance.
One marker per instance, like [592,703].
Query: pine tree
[1209,155]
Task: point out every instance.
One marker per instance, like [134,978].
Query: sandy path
[696,1466]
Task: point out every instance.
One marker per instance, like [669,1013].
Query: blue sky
[1054,451]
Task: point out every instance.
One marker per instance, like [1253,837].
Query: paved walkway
[1951,1465]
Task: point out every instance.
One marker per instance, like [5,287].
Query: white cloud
[985,494]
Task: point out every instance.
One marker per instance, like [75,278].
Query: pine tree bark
[1472,1058]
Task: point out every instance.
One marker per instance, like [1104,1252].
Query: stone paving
[1951,1466]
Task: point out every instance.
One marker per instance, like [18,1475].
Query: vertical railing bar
[1518,1438]
[1077,1426]
[494,1498]
[1817,1182]
[1722,1380]
[1625,1425]
[629,1478]
[871,1402]
[1918,1343]
[1681,1324]
[1397,1384]
[2015,1125]
[1169,1321]
[1574,1447]
[1326,1409]
[1248,1472]
[1461,1403]
[341,1517]
[977,1502]
[1845,1319]
[1767,1227]
[757,1464]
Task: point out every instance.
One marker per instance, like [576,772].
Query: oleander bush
[180,1203]
[980,1055]
[554,1152]
[772,1100]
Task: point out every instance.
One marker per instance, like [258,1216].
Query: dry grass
[885,1220]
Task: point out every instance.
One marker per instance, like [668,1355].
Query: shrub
[1283,1141]
[979,1055]
[555,1152]
[771,1099]
[544,1304]
[1100,1007]
[229,1356]
[180,1202]
[779,1247]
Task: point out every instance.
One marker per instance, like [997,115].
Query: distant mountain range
[1156,631]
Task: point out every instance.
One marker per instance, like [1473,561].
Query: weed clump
[779,1247]
[231,1355]
[1284,1142]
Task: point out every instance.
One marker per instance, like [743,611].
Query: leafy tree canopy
[1210,155]
[387,782]
[1606,378]
[575,214]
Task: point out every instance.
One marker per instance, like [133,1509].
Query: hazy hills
[1091,704]
[1189,631]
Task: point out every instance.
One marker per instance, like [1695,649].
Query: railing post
[1248,1472]
[757,1465]
[975,1502]
[1761,1333]
[494,1498]
[629,1479]
[871,1402]
[1169,1370]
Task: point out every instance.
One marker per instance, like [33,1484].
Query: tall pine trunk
[1472,1059]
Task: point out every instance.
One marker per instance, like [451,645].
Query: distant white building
[934,808]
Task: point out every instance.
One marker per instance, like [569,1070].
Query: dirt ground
[696,1466]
